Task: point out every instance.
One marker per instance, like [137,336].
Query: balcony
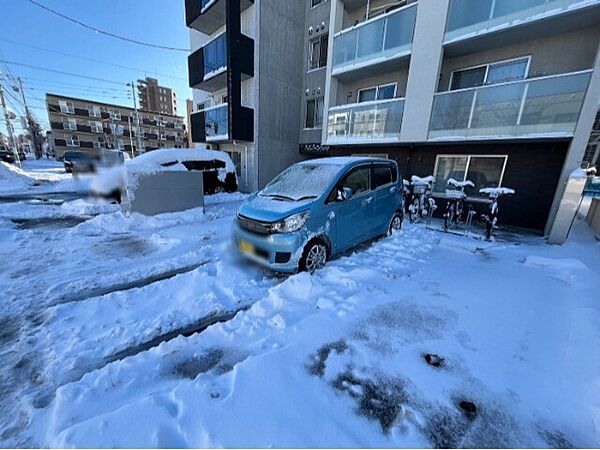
[207,66]
[365,123]
[468,19]
[211,124]
[378,42]
[538,107]
[207,16]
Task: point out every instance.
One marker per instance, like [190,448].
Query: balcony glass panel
[217,122]
[548,105]
[380,120]
[215,56]
[378,39]
[466,17]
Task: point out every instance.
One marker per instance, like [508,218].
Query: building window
[318,52]
[96,127]
[499,72]
[73,141]
[94,111]
[314,113]
[314,3]
[66,107]
[70,124]
[381,92]
[115,114]
[116,129]
[484,171]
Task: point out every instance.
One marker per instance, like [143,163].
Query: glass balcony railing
[215,56]
[378,39]
[471,17]
[216,122]
[540,106]
[365,122]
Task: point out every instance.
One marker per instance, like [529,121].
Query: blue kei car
[317,209]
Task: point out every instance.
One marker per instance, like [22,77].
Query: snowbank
[14,179]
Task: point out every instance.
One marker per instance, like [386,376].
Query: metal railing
[538,106]
[365,122]
[382,38]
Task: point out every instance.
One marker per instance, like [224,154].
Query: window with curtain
[494,73]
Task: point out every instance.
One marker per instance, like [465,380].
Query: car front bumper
[279,252]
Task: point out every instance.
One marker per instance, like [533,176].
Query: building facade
[592,152]
[156,98]
[87,125]
[500,93]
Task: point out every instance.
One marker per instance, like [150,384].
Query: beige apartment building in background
[85,125]
[155,98]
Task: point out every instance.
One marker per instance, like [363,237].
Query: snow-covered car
[218,170]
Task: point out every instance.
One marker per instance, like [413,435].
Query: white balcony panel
[378,40]
[368,122]
[539,107]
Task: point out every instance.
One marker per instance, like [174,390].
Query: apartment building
[156,98]
[503,93]
[87,125]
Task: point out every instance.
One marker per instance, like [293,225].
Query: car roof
[343,161]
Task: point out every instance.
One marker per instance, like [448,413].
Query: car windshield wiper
[284,197]
[306,197]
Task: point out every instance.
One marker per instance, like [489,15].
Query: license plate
[246,247]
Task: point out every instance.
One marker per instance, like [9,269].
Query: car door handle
[393,190]
[367,201]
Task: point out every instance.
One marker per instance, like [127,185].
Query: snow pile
[497,192]
[14,179]
[453,182]
[170,159]
[89,207]
[418,181]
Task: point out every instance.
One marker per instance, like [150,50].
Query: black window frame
[323,44]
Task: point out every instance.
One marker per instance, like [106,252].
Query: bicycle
[455,192]
[490,220]
[422,204]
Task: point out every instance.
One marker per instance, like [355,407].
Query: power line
[136,69]
[107,33]
[42,82]
[104,80]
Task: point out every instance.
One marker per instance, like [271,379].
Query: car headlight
[292,223]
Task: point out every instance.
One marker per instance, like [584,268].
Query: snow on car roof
[339,160]
[155,158]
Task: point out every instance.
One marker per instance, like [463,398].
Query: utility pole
[138,133]
[32,130]
[9,128]
[130,137]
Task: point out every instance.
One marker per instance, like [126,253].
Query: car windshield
[301,181]
[76,155]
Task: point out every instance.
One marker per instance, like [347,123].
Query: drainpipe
[368,9]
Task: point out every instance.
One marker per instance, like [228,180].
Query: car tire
[395,223]
[314,256]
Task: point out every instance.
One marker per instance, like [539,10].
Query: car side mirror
[344,194]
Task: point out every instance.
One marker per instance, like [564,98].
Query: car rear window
[382,175]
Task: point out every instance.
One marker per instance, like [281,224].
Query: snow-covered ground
[103,337]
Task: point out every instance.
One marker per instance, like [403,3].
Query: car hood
[269,209]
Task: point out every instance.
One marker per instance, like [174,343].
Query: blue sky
[157,21]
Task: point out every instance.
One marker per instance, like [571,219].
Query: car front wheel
[314,256]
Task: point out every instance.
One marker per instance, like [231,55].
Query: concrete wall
[317,18]
[280,47]
[424,68]
[167,192]
[565,52]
